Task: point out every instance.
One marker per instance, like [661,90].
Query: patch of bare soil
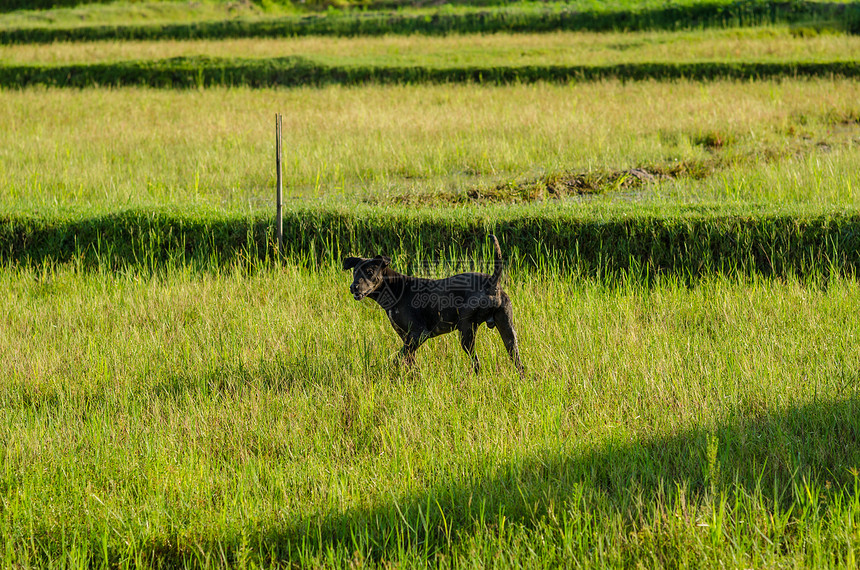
[561,185]
[844,131]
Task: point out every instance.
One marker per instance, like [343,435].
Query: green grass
[772,44]
[174,394]
[168,11]
[227,416]
[70,14]
[170,20]
[688,246]
[103,150]
[118,11]
[204,72]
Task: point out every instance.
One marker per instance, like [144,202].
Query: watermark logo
[443,301]
[442,290]
[440,284]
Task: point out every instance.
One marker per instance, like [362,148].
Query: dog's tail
[500,265]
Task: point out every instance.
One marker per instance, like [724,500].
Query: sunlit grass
[821,178]
[110,149]
[772,44]
[205,413]
[174,415]
[137,12]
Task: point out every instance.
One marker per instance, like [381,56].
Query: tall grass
[103,149]
[688,244]
[234,417]
[825,177]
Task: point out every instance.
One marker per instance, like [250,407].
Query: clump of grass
[552,186]
[713,140]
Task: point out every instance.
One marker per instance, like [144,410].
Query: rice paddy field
[775,43]
[144,147]
[682,255]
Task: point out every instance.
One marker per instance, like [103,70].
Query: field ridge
[692,245]
[296,71]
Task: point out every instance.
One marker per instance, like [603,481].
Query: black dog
[423,308]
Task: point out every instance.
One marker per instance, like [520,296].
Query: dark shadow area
[769,453]
[684,247]
[817,443]
[201,72]
[142,239]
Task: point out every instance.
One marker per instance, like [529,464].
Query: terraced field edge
[689,246]
[198,72]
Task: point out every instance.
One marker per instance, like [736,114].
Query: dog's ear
[350,262]
[384,260]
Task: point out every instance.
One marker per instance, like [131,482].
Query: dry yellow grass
[115,148]
[560,48]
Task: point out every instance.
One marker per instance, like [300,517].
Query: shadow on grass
[774,459]
[685,247]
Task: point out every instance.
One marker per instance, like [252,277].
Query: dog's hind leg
[505,325]
[468,333]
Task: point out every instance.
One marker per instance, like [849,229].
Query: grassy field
[158,11]
[773,44]
[255,417]
[172,11]
[109,149]
[219,20]
[682,258]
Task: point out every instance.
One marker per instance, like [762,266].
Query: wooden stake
[279,202]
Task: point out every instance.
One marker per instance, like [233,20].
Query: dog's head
[366,275]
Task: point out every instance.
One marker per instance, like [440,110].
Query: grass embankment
[688,247]
[230,418]
[775,52]
[90,24]
[758,143]
[202,72]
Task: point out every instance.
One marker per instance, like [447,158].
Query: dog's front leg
[411,341]
[468,333]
